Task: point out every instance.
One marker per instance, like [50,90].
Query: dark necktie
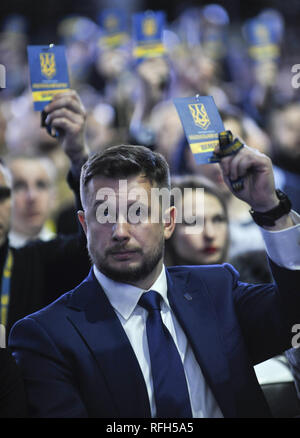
[170,387]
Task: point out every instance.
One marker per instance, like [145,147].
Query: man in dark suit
[98,351]
[37,273]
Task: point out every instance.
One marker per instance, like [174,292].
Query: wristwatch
[268,218]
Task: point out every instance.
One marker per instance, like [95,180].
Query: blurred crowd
[129,100]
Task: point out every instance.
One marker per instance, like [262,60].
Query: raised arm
[67,114]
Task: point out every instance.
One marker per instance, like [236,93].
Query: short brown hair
[122,161]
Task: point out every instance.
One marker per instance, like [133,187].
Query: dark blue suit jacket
[77,361]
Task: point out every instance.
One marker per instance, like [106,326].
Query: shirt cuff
[283,247]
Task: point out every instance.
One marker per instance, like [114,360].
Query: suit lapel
[105,337]
[195,312]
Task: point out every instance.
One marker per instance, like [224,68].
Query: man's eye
[219,219]
[19,185]
[42,185]
[105,214]
[137,214]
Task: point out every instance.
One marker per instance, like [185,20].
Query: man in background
[37,273]
[33,190]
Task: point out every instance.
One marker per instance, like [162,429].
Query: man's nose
[31,193]
[121,230]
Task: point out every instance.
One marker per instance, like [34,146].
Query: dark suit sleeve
[53,392]
[267,312]
[66,258]
[12,394]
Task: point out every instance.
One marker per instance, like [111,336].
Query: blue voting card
[113,21]
[113,27]
[215,42]
[147,31]
[48,73]
[262,40]
[202,124]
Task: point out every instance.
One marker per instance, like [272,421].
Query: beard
[129,275]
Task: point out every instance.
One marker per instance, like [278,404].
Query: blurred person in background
[38,272]
[114,79]
[252,266]
[209,246]
[167,129]
[264,36]
[13,41]
[196,73]
[199,56]
[33,191]
[5,204]
[101,129]
[153,76]
[284,130]
[79,35]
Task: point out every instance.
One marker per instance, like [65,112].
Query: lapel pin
[187,297]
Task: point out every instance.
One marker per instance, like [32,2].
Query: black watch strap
[268,218]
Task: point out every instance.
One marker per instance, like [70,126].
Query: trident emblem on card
[199,114]
[48,66]
[262,34]
[149,27]
[111,22]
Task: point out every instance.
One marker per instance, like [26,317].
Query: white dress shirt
[17,240]
[281,245]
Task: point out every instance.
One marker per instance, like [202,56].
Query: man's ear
[169,222]
[81,218]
